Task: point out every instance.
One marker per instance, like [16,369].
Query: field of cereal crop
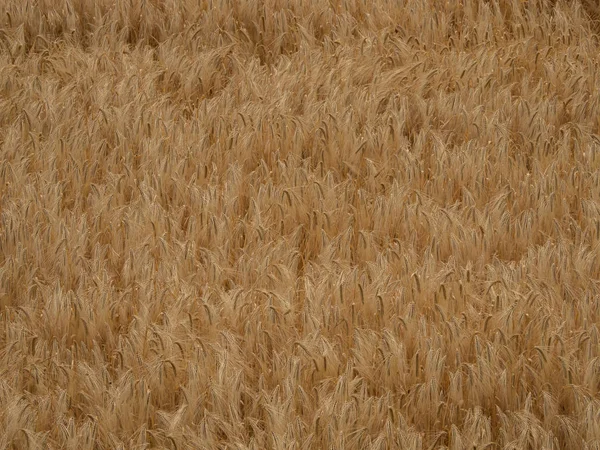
[299,224]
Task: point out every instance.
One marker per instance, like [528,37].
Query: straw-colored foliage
[299,224]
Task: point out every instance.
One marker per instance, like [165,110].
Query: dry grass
[299,224]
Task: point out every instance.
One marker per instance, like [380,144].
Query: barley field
[299,224]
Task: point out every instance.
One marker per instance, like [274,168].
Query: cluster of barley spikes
[299,224]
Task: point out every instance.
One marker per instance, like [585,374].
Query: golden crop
[299,224]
